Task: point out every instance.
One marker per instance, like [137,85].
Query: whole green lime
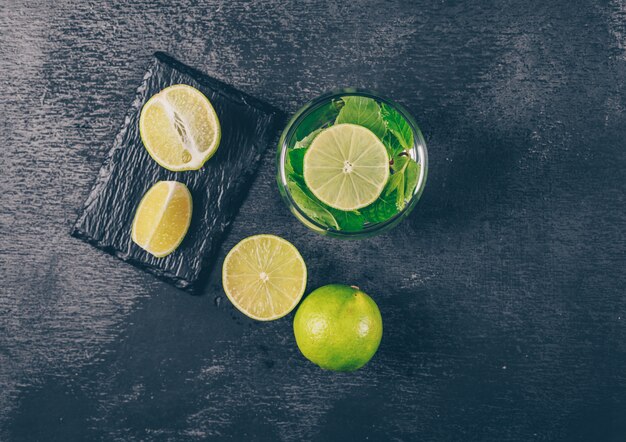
[338,327]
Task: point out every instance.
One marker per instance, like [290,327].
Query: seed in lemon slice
[180,128]
[346,167]
[162,218]
[264,276]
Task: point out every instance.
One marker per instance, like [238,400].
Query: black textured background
[503,295]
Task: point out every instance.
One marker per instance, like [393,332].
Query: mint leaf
[411,173]
[396,181]
[404,179]
[395,185]
[399,163]
[296,160]
[299,180]
[400,195]
[386,205]
[288,166]
[319,117]
[294,165]
[349,221]
[392,144]
[398,126]
[364,112]
[306,141]
[382,209]
[309,206]
[328,216]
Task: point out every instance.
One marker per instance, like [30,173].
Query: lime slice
[179,128]
[264,276]
[346,167]
[162,218]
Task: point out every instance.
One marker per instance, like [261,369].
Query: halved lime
[346,167]
[162,218]
[264,276]
[180,128]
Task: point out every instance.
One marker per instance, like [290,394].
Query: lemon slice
[264,276]
[162,218]
[346,167]
[179,128]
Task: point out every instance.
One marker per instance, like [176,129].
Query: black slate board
[218,189]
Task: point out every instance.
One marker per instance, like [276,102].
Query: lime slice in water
[180,128]
[346,167]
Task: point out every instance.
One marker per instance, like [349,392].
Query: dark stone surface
[503,295]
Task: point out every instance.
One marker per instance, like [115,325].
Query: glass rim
[419,146]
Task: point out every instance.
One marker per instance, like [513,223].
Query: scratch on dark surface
[617,26]
[514,257]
